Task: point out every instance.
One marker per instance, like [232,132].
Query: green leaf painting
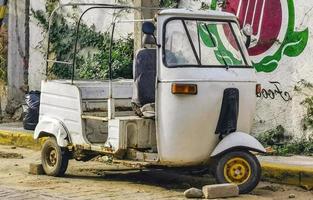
[292,45]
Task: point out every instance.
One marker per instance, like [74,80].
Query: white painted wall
[37,49]
[274,112]
[16,49]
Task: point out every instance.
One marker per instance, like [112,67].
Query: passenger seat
[144,70]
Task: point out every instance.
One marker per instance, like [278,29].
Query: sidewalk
[295,170]
[14,134]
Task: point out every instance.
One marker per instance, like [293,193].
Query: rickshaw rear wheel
[239,167]
[54,159]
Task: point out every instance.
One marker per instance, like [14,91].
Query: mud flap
[227,122]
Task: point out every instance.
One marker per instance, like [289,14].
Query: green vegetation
[273,136]
[169,3]
[283,145]
[305,88]
[307,121]
[92,57]
[3,54]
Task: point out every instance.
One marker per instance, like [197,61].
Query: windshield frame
[229,22]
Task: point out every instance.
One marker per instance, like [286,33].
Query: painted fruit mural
[273,24]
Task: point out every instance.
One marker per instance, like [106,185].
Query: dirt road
[95,180]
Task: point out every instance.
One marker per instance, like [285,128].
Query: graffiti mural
[273,24]
[276,92]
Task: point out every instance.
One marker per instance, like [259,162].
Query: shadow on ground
[169,179]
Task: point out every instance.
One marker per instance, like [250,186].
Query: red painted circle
[265,16]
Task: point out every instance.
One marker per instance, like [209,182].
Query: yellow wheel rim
[237,170]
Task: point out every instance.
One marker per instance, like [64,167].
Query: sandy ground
[95,180]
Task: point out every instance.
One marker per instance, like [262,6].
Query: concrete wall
[144,14]
[283,66]
[16,49]
[37,49]
[282,58]
[281,53]
[38,38]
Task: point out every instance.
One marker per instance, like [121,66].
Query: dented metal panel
[63,102]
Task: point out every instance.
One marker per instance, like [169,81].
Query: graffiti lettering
[273,93]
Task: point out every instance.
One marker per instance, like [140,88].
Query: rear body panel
[63,102]
[186,124]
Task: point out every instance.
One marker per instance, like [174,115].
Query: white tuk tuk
[194,95]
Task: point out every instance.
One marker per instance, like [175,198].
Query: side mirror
[248,31]
[148,28]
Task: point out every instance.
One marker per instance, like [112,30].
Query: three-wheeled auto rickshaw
[194,95]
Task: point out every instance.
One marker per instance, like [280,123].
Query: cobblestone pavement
[7,193]
[95,180]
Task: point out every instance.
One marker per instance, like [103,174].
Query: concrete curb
[288,174]
[271,171]
[19,139]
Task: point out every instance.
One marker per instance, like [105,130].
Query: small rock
[13,147]
[193,193]
[292,196]
[36,169]
[16,165]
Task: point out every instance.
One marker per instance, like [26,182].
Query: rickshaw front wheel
[54,159]
[239,167]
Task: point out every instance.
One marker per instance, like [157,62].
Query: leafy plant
[3,54]
[307,121]
[96,65]
[272,136]
[283,145]
[169,3]
[92,57]
[295,147]
[304,88]
[302,84]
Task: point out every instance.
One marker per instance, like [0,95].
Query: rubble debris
[18,114]
[12,106]
[10,155]
[193,193]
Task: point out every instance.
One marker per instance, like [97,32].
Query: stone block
[36,169]
[220,191]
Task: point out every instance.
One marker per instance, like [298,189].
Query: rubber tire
[62,155]
[255,177]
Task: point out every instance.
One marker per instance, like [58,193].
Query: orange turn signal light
[178,88]
[258,89]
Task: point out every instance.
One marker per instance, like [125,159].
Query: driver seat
[144,73]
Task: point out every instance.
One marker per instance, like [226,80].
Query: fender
[48,126]
[238,140]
